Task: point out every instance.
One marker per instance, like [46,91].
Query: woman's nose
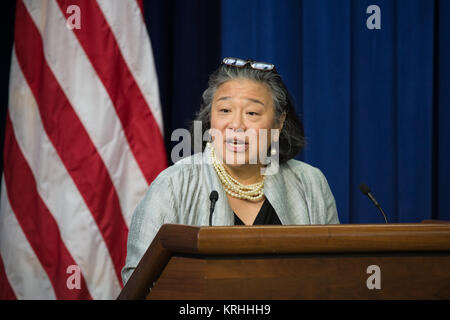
[237,122]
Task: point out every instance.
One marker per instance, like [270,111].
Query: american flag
[83,141]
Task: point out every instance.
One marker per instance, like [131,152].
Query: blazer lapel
[286,198]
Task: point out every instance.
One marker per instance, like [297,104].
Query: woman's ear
[281,121]
[279,126]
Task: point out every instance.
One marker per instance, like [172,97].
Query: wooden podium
[392,261]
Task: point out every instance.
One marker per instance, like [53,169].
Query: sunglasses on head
[257,65]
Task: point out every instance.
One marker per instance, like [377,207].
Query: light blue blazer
[298,192]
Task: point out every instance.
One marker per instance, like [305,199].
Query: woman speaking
[246,168]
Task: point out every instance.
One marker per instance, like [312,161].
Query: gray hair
[292,138]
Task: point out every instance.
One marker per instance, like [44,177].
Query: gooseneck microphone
[366,191]
[213,196]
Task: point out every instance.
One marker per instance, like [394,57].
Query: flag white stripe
[58,191]
[23,269]
[91,103]
[131,34]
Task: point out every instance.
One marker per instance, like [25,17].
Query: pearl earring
[273,151]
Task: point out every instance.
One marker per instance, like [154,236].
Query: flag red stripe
[140,127]
[36,221]
[141,6]
[6,292]
[70,139]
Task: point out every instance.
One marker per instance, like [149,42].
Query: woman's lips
[236,145]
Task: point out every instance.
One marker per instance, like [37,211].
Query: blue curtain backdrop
[375,103]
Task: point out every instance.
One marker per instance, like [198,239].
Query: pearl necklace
[253,192]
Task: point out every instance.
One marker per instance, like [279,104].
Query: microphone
[366,191]
[213,196]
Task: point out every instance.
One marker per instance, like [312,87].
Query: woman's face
[242,117]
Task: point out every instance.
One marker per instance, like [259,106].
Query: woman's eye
[252,113]
[224,110]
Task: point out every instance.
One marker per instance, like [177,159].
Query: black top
[266,215]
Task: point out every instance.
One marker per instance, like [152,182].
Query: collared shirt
[298,192]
